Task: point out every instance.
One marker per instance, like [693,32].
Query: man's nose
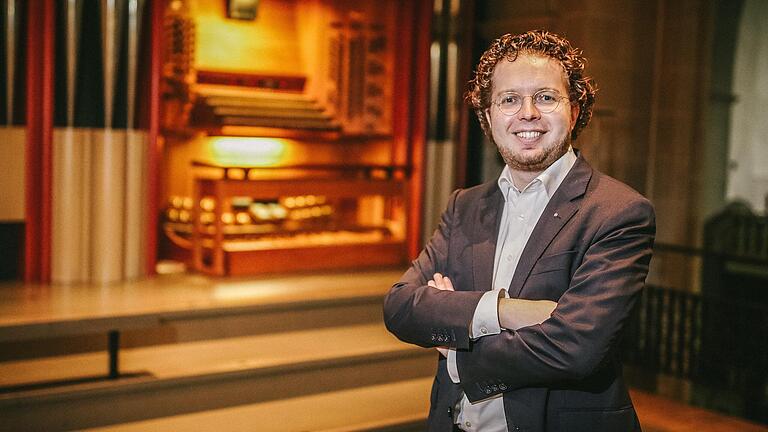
[528,110]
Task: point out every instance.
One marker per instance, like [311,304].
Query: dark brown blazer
[589,252]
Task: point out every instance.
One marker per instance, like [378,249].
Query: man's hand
[444,284]
[441,282]
[519,313]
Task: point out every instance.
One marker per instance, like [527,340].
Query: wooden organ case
[293,141]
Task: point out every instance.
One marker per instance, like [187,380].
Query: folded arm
[509,313]
[424,315]
[423,308]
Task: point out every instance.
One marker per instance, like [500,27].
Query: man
[528,281]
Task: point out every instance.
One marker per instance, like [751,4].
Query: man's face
[530,140]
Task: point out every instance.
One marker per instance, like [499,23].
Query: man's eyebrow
[501,92]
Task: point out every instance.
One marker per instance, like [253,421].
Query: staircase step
[62,320]
[401,405]
[274,351]
[86,309]
[184,378]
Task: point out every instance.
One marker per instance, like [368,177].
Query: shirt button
[521,217]
[467,424]
[509,257]
[483,330]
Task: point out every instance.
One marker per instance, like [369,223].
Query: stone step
[397,406]
[193,377]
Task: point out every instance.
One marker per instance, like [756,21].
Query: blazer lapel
[486,231]
[561,208]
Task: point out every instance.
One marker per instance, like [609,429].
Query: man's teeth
[528,134]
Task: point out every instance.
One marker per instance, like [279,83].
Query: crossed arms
[534,349]
[513,313]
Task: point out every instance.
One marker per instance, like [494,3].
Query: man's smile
[529,135]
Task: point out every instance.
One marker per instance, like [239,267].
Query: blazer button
[495,388]
[488,391]
[433,338]
[502,387]
[450,412]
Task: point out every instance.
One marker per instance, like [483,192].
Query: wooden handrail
[705,253]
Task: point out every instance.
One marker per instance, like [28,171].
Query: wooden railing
[719,345]
[714,336]
[699,338]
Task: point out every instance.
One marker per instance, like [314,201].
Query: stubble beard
[536,162]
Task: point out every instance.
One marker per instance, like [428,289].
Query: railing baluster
[695,337]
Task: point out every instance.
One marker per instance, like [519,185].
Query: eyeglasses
[545,101]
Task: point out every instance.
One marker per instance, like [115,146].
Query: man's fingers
[441,282]
[448,285]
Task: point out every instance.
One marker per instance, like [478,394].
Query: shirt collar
[550,177]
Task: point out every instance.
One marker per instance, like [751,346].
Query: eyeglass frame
[522,101]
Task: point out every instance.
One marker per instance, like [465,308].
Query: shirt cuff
[453,369]
[485,321]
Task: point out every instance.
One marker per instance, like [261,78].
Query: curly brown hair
[581,89]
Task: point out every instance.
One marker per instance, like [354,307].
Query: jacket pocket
[553,262]
[616,420]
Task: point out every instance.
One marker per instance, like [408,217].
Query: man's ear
[487,114]
[574,115]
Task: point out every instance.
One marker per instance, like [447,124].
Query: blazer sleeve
[584,328]
[426,316]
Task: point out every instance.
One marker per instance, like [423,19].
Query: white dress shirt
[522,209]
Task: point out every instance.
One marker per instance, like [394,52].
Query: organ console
[351,216]
[280,163]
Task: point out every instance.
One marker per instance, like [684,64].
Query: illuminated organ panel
[178,70]
[358,85]
[339,79]
[288,158]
